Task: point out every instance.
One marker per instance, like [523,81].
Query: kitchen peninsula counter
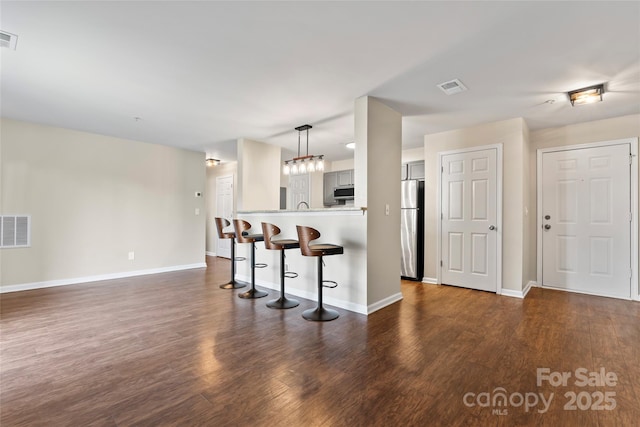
[304,211]
[341,226]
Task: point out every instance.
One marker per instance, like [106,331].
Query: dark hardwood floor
[175,349]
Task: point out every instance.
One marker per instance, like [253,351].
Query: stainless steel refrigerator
[412,229]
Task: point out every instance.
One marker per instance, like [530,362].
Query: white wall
[342,165]
[95,198]
[213,172]
[511,134]
[412,154]
[378,137]
[259,169]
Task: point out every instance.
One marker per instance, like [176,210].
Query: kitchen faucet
[302,203]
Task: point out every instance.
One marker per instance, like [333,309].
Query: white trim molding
[430,280]
[312,296]
[518,294]
[384,302]
[97,278]
[209,253]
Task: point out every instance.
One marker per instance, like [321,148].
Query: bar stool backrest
[269,231]
[305,236]
[241,225]
[221,224]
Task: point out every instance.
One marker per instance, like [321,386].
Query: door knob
[547,226]
[492,227]
[547,217]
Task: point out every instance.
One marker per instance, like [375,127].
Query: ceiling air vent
[452,86]
[8,40]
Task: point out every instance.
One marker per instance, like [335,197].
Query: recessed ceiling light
[8,40]
[452,86]
[351,145]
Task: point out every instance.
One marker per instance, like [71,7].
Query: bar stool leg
[283,301]
[320,314]
[253,292]
[233,283]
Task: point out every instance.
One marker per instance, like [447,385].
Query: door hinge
[441,169]
[441,215]
[630,158]
[630,216]
[440,263]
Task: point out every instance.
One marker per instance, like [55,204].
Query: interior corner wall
[509,133]
[529,214]
[223,169]
[93,199]
[378,137]
[259,168]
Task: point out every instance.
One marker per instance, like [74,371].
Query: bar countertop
[305,211]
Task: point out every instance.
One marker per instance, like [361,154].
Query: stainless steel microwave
[344,192]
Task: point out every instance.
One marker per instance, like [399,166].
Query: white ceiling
[202,74]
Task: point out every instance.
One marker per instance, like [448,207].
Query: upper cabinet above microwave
[333,180]
[413,170]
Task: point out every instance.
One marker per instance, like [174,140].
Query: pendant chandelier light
[303,164]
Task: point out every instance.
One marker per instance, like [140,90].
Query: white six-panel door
[224,209]
[586,228]
[469,219]
[299,190]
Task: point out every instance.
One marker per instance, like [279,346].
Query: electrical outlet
[386,210]
[197,211]
[132,256]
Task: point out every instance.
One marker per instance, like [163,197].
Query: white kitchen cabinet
[330,181]
[345,177]
[416,170]
[413,170]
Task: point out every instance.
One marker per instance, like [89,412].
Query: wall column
[258,182]
[377,160]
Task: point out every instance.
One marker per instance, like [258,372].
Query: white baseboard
[87,279]
[350,306]
[518,294]
[210,253]
[384,302]
[430,280]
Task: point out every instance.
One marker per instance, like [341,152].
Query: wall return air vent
[15,231]
[452,86]
[8,40]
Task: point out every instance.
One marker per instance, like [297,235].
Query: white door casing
[469,235]
[224,209]
[585,218]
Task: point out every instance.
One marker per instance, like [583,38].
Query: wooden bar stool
[221,224]
[269,231]
[242,236]
[306,235]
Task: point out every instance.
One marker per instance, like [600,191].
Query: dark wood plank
[175,349]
